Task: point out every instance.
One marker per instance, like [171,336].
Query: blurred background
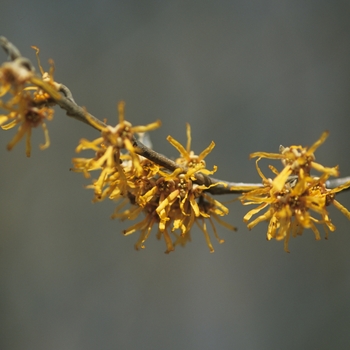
[249,75]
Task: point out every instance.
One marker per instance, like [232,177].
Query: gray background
[250,75]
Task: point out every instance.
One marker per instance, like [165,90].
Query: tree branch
[66,101]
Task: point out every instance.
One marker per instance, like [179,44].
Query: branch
[66,101]
[330,184]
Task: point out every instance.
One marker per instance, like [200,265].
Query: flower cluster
[27,105]
[175,195]
[171,202]
[293,192]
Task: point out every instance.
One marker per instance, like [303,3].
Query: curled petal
[341,208]
[254,211]
[148,127]
[204,153]
[178,146]
[318,143]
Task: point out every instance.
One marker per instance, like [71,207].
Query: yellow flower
[24,112]
[174,202]
[29,106]
[187,157]
[288,207]
[115,166]
[295,158]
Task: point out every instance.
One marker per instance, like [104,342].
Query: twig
[11,50]
[66,102]
[330,184]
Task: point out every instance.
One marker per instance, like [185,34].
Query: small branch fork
[66,101]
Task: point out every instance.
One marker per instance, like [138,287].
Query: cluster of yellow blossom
[27,105]
[292,193]
[172,202]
